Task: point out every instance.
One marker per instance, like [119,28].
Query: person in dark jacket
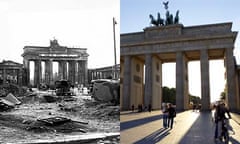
[171,115]
[219,117]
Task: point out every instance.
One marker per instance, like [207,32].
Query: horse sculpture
[153,21]
[157,22]
[160,20]
[176,19]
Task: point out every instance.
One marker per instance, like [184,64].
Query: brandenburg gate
[72,63]
[149,49]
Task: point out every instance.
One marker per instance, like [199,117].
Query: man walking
[171,115]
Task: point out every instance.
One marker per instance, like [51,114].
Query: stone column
[26,65]
[70,71]
[97,75]
[37,72]
[60,70]
[64,69]
[15,77]
[85,73]
[126,83]
[182,98]
[49,72]
[19,77]
[74,71]
[148,80]
[80,73]
[230,74]
[205,86]
[46,72]
[156,83]
[71,74]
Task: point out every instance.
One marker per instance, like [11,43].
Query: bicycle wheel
[226,137]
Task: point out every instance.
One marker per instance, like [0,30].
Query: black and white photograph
[59,71]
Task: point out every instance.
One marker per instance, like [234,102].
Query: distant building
[11,72]
[104,73]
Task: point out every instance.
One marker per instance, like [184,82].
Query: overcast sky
[74,23]
[135,17]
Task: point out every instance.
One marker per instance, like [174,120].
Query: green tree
[169,95]
[194,99]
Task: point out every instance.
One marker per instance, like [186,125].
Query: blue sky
[134,15]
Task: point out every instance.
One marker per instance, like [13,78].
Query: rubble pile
[106,91]
[12,88]
[8,102]
[58,124]
[39,126]
[92,109]
[109,140]
[33,115]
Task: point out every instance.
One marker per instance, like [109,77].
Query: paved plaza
[189,128]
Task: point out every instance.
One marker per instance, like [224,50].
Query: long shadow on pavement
[154,137]
[129,113]
[135,123]
[202,131]
[233,141]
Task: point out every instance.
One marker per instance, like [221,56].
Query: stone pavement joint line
[189,128]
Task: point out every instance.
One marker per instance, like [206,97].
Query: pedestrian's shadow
[231,140]
[130,113]
[138,122]
[154,137]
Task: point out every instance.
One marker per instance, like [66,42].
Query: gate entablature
[175,43]
[72,63]
[174,38]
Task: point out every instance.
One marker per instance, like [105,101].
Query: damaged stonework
[37,121]
[8,102]
[106,90]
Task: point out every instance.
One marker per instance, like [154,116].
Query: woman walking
[165,114]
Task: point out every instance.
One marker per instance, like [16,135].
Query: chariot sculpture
[168,20]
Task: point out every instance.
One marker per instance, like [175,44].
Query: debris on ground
[106,90]
[11,98]
[58,124]
[53,121]
[12,88]
[5,105]
[8,102]
[50,98]
[36,118]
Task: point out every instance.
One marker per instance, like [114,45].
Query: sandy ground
[19,125]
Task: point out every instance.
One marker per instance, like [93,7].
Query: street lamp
[115,57]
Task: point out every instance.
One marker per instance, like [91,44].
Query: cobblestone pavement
[189,128]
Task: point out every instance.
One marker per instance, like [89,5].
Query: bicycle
[225,130]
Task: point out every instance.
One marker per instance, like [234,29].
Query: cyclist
[220,116]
